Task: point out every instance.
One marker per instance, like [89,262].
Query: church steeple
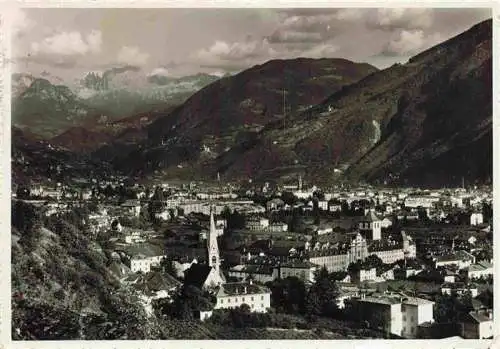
[213,248]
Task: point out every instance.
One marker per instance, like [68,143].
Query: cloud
[401,18]
[236,51]
[283,36]
[323,50]
[68,44]
[314,26]
[159,71]
[131,55]
[350,14]
[18,21]
[408,43]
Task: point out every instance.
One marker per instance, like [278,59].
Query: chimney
[245,290]
[250,281]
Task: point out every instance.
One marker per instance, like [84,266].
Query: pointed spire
[212,221]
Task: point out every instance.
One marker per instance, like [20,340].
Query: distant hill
[46,109]
[424,122]
[224,114]
[36,159]
[101,133]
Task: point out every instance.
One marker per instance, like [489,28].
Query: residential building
[302,270]
[278,227]
[416,311]
[144,256]
[155,285]
[134,237]
[259,272]
[476,218]
[257,224]
[423,201]
[323,205]
[232,295]
[461,258]
[458,288]
[478,325]
[365,275]
[481,269]
[275,204]
[394,314]
[133,207]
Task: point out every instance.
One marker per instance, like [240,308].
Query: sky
[67,43]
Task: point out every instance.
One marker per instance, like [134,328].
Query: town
[399,262]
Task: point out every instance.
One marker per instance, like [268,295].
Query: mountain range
[225,118]
[428,121]
[425,122]
[47,107]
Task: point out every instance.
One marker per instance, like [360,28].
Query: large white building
[232,295]
[339,259]
[144,263]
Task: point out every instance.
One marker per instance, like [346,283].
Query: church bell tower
[213,248]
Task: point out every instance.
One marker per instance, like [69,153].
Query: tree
[27,219]
[448,308]
[235,220]
[373,261]
[486,298]
[322,296]
[109,191]
[187,301]
[288,198]
[288,295]
[487,211]
[296,221]
[316,212]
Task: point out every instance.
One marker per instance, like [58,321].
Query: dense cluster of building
[340,228]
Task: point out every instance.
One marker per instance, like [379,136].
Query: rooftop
[480,266]
[298,264]
[371,217]
[480,316]
[240,288]
[253,269]
[144,250]
[416,301]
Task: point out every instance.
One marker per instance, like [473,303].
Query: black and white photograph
[250,173]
